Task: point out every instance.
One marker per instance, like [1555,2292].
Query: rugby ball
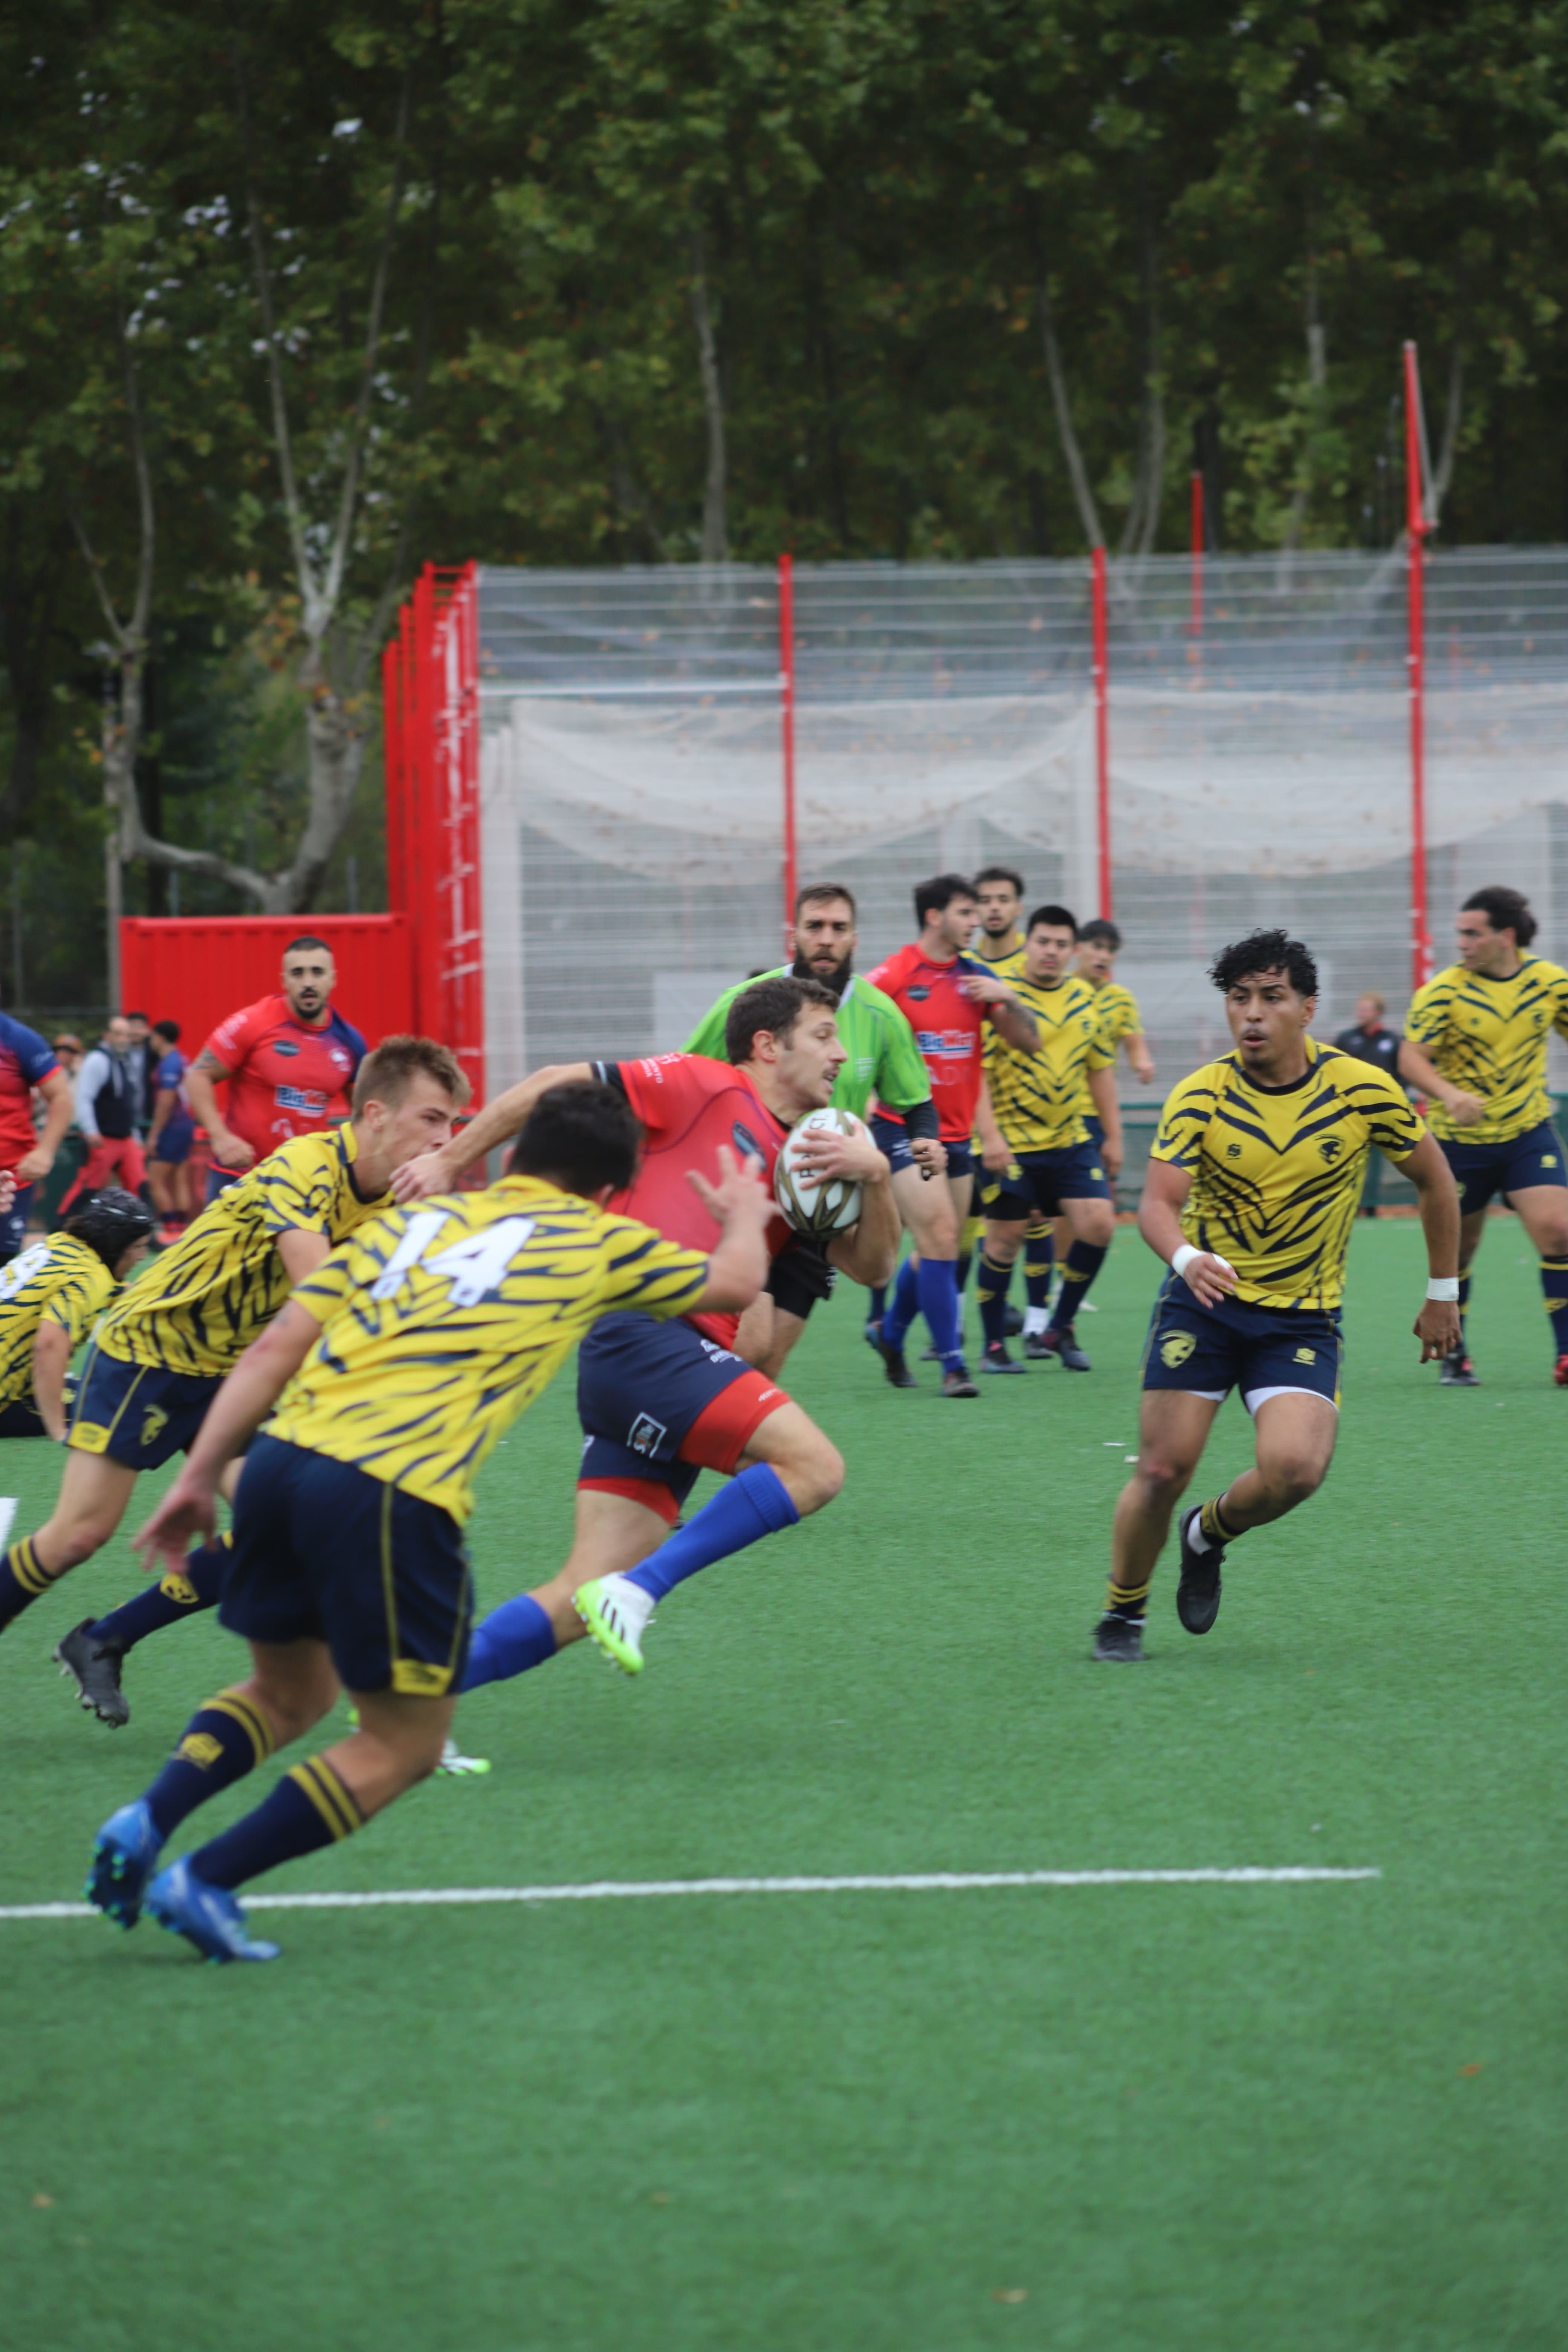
[811,1208]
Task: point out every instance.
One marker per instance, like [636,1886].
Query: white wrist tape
[1445,1287]
[1186,1254]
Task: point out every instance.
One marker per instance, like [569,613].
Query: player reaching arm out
[1010,1019]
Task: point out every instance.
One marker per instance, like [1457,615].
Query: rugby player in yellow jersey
[999,895]
[1250,1200]
[400,1363]
[162,1349]
[1035,1145]
[49,1298]
[1475,1043]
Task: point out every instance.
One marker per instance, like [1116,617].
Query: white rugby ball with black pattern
[810,1208]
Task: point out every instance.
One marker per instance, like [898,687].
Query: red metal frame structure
[786,696]
[430,687]
[1415,529]
[1101,668]
[1195,617]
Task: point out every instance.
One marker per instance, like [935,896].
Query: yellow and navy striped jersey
[1119,1017]
[56,1281]
[201,1305]
[1277,1171]
[1490,1036]
[1038,1098]
[442,1322]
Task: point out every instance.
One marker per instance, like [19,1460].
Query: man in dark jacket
[1371,1040]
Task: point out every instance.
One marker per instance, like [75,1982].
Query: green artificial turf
[1161,2117]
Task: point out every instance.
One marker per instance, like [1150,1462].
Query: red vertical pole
[1102,729]
[1415,533]
[786,694]
[1197,622]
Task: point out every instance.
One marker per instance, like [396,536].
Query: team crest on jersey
[1331,1147]
[282,1045]
[917,995]
[1175,1350]
[746,1142]
[154,1422]
[647,1435]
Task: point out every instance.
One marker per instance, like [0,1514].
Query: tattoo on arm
[207,1062]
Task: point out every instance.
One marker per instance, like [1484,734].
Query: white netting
[632,769]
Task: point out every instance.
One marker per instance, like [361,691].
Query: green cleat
[614,1628]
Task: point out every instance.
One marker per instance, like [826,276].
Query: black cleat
[1013,1323]
[1198,1594]
[94,1667]
[1037,1348]
[995,1358]
[957,1382]
[1064,1343]
[899,1373]
[1457,1371]
[1119,1638]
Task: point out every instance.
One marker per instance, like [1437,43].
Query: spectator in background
[172,1135]
[289,1060]
[28,1063]
[71,1153]
[1370,1039]
[143,1060]
[106,1107]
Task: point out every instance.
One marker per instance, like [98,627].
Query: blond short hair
[385,1075]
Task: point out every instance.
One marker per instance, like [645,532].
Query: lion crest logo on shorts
[647,1435]
[154,1422]
[1175,1350]
[1305,1356]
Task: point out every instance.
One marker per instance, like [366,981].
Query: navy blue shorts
[174,1146]
[1039,1183]
[1484,1171]
[323,1552]
[138,1414]
[14,1226]
[219,1179]
[1261,1351]
[891,1136]
[1095,1127]
[659,1403]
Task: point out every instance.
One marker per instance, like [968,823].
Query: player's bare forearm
[1102,1094]
[869,1251]
[51,1359]
[301,1252]
[1140,1060]
[58,1106]
[437,1171]
[163,1110]
[1419,1070]
[1209,1276]
[1014,1026]
[1438,1200]
[230,1150]
[236,1412]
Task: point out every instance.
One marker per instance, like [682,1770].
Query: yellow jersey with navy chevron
[1038,1098]
[1117,1010]
[59,1280]
[198,1306]
[1490,1036]
[442,1322]
[1277,1171]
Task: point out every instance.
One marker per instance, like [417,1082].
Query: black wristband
[920,1122]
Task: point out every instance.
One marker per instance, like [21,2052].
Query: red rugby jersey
[689,1106]
[948,1030]
[285,1079]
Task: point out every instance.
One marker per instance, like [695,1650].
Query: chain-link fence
[1259,768]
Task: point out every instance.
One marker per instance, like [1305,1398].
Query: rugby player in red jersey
[947,996]
[660,1402]
[290,1061]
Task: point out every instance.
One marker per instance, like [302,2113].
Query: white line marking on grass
[609,1890]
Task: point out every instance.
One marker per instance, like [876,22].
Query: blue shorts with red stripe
[659,1403]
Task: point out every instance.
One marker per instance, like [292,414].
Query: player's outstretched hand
[1437,1328]
[824,1154]
[741,1191]
[1210,1278]
[418,1179]
[189,1508]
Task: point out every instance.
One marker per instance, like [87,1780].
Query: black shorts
[1485,1171]
[21,1419]
[138,1414]
[800,1275]
[323,1550]
[1262,1350]
[1037,1183]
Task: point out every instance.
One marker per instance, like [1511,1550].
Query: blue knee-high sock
[876,1302]
[938,1284]
[508,1642]
[1555,1282]
[184,1593]
[1084,1262]
[991,1288]
[896,1318]
[754,1505]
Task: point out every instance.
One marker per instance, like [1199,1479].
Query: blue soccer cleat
[208,1916]
[124,1856]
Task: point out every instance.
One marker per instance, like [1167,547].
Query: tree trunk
[1078,473]
[1149,476]
[715,528]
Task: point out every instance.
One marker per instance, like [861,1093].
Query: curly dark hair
[1505,910]
[1266,951]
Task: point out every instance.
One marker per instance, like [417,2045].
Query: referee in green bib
[883,1059]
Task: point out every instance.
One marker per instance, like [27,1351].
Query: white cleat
[457,1765]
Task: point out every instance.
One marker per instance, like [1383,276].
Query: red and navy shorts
[659,1403]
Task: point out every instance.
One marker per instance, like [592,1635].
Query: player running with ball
[1251,1196]
[659,1402]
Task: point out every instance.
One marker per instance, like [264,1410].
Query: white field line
[602,1890]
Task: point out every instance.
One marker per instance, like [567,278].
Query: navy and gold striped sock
[22,1578]
[1129,1601]
[311,1806]
[1215,1525]
[1084,1262]
[222,1742]
[991,1289]
[1464,1305]
[1039,1261]
[184,1593]
[1555,1282]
